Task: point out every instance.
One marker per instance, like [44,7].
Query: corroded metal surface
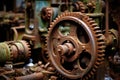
[77,46]
[18,50]
[61,40]
[34,76]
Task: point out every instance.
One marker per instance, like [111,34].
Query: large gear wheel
[75,45]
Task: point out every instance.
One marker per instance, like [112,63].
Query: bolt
[31,27]
[59,50]
[74,49]
[83,47]
[40,62]
[75,66]
[68,41]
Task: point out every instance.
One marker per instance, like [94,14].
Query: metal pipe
[34,76]
[107,19]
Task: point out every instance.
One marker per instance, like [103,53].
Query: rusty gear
[14,51]
[46,13]
[79,6]
[74,39]
[19,50]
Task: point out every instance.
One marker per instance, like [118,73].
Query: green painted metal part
[39,4]
[5,54]
[14,51]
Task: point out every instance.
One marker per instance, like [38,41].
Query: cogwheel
[27,48]
[17,47]
[79,6]
[75,45]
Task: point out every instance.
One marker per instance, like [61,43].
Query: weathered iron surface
[61,40]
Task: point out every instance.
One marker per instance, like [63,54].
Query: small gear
[27,48]
[75,45]
[46,13]
[79,6]
[19,49]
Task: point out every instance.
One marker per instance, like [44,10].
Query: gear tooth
[29,51]
[100,40]
[98,63]
[49,29]
[48,32]
[52,23]
[92,73]
[96,28]
[45,44]
[101,48]
[45,41]
[102,37]
[92,22]
[54,20]
[89,75]
[100,58]
[29,47]
[96,66]
[94,70]
[86,18]
[78,14]
[26,44]
[47,36]
[90,19]
[101,43]
[101,53]
[29,55]
[57,18]
[65,14]
[69,14]
[45,48]
[98,31]
[98,35]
